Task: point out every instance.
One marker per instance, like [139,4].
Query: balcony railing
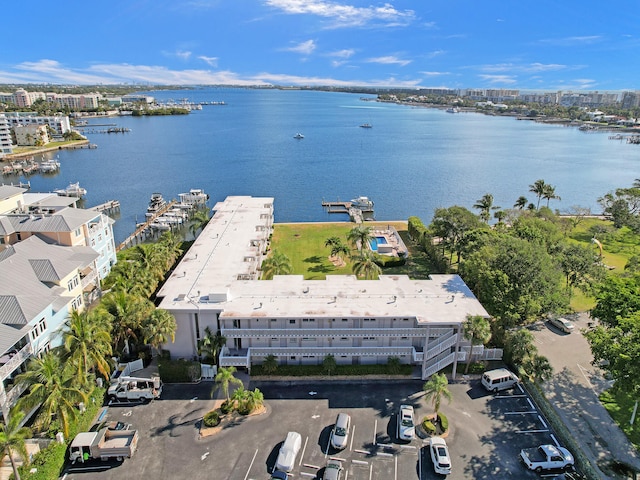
[438,365]
[15,361]
[444,343]
[323,332]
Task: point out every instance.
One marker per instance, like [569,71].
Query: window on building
[42,325]
[292,320]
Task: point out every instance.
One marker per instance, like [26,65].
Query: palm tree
[87,344]
[477,330]
[550,193]
[485,205]
[332,241]
[12,437]
[159,328]
[126,313]
[521,202]
[339,250]
[538,188]
[198,221]
[538,368]
[255,399]
[53,388]
[365,265]
[224,378]
[359,236]
[171,246]
[149,258]
[270,364]
[435,389]
[209,347]
[329,364]
[276,264]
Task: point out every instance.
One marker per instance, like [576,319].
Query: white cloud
[346,15]
[211,61]
[345,53]
[572,41]
[527,68]
[181,54]
[305,48]
[389,60]
[502,79]
[434,74]
[435,53]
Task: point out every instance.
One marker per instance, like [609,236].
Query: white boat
[48,166]
[366,125]
[453,110]
[363,203]
[156,203]
[73,190]
[298,135]
[195,196]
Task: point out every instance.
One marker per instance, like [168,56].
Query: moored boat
[73,190]
[363,203]
[366,125]
[156,203]
[195,196]
[298,135]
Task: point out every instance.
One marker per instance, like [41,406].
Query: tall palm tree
[538,188]
[366,266]
[12,437]
[359,236]
[550,193]
[171,246]
[224,378]
[211,345]
[198,221]
[149,258]
[435,390]
[87,344]
[53,387]
[339,251]
[331,241]
[276,264]
[126,313]
[521,202]
[485,204]
[538,368]
[477,330]
[159,328]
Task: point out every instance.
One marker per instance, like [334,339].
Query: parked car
[406,427]
[288,452]
[547,457]
[440,456]
[340,432]
[562,324]
[333,470]
[278,475]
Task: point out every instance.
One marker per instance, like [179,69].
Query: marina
[359,209]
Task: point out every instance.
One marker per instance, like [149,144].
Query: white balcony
[328,332]
[15,361]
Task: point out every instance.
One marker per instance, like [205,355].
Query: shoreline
[41,151]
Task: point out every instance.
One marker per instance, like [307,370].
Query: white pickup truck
[135,388]
[547,457]
[103,444]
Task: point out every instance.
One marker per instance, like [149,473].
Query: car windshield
[442,452]
[340,432]
[407,422]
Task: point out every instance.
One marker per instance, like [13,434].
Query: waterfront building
[6,144]
[137,98]
[84,101]
[299,321]
[59,124]
[40,285]
[31,135]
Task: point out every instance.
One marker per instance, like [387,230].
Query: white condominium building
[299,321]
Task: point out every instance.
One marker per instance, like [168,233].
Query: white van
[499,379]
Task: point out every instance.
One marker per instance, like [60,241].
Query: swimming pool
[375,241]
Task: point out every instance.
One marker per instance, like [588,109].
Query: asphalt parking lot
[486,434]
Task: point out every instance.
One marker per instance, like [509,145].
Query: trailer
[135,388]
[103,444]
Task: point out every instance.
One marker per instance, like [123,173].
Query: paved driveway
[487,431]
[574,391]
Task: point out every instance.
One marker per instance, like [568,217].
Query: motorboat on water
[195,196]
[156,203]
[298,135]
[366,125]
[49,166]
[453,110]
[363,203]
[73,190]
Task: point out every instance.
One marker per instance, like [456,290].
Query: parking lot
[486,433]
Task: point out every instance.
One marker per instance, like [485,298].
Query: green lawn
[303,243]
[620,407]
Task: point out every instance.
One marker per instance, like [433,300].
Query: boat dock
[138,235]
[111,206]
[357,212]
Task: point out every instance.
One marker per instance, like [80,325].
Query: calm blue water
[411,162]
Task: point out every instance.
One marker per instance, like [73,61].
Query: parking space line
[375,430]
[385,454]
[370,471]
[542,420]
[360,462]
[385,445]
[366,452]
[303,450]
[308,465]
[520,388]
[251,465]
[532,431]
[531,403]
[395,472]
[306,474]
[522,413]
[553,437]
[353,434]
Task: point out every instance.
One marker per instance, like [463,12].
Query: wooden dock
[356,214]
[139,233]
[111,206]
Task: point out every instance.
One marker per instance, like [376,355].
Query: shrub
[244,408]
[444,421]
[226,407]
[211,419]
[178,371]
[387,261]
[393,364]
[428,425]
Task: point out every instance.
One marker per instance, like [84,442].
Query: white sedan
[440,456]
[406,427]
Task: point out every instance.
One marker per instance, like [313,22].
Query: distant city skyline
[546,45]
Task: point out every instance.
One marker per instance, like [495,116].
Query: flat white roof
[207,279]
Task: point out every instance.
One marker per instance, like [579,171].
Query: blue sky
[528,45]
